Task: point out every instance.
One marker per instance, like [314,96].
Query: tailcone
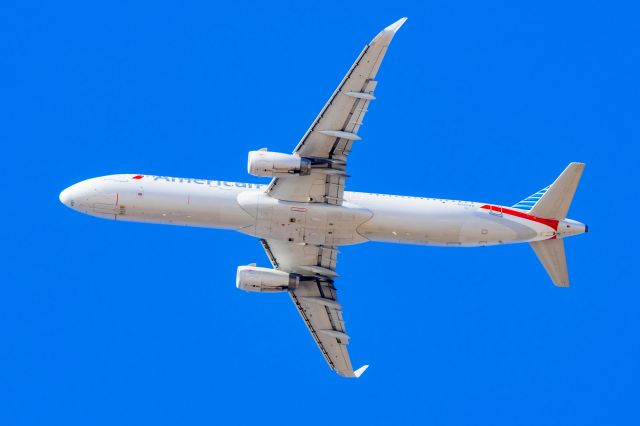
[570,227]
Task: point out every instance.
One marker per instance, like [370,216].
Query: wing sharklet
[396,25]
[360,370]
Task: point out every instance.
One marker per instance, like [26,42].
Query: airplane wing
[327,144]
[316,298]
[328,141]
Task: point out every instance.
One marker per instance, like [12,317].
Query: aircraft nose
[87,195]
[66,197]
[74,196]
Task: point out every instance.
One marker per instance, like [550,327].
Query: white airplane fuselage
[246,208]
[304,213]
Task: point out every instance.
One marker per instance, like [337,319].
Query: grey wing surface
[316,298]
[328,140]
[327,144]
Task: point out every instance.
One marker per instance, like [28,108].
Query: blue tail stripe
[529,202]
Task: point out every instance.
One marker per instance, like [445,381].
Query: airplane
[304,214]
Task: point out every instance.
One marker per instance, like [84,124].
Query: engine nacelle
[265,280]
[275,164]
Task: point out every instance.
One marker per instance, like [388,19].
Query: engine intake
[265,280]
[275,164]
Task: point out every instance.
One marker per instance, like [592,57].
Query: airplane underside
[304,214]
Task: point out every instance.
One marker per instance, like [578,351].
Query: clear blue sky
[106,323]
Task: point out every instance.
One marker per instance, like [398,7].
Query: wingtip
[396,25]
[360,370]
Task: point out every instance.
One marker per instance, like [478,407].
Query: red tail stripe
[552,223]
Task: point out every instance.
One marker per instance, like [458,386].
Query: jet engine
[275,164]
[265,280]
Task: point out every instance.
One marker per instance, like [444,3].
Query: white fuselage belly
[247,209]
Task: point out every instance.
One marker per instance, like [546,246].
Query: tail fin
[529,202]
[551,254]
[553,202]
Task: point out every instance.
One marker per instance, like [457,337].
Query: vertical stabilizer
[556,199]
[530,202]
[551,255]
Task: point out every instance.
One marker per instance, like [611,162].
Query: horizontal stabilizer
[551,255]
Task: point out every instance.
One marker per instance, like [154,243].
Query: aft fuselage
[246,208]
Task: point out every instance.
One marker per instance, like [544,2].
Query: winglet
[385,36]
[396,25]
[362,369]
